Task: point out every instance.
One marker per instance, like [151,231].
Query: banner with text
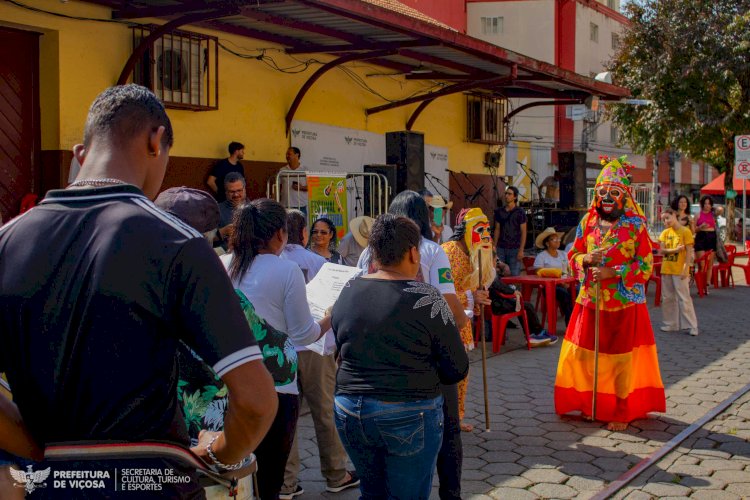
[326,197]
[335,149]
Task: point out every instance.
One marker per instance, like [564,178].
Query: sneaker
[667,329]
[544,334]
[350,483]
[537,341]
[693,332]
[289,495]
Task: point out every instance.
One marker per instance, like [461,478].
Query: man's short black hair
[391,237]
[235,146]
[122,112]
[514,189]
[296,151]
[234,177]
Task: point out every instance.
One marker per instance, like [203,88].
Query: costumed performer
[612,247]
[471,234]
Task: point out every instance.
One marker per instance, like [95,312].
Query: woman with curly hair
[322,240]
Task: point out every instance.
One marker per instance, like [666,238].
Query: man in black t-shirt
[510,231]
[98,286]
[223,167]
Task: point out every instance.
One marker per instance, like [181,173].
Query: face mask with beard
[479,243]
[610,202]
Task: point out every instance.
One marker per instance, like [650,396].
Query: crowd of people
[119,343]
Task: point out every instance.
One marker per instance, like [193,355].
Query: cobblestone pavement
[532,453]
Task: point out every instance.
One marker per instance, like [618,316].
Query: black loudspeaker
[572,168]
[371,190]
[406,151]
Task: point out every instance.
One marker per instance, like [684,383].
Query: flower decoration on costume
[432,297]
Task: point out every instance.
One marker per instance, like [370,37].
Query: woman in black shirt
[397,341]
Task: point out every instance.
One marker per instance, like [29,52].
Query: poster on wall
[522,160]
[325,148]
[326,197]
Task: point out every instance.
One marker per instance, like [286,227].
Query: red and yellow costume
[465,271]
[629,381]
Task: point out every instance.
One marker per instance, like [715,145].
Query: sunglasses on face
[613,192]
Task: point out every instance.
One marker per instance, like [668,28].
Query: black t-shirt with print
[98,286]
[397,340]
[510,226]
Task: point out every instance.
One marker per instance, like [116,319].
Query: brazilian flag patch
[444,275]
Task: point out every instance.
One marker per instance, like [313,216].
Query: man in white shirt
[294,187]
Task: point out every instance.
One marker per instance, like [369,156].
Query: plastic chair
[746,266]
[724,269]
[656,278]
[701,275]
[499,324]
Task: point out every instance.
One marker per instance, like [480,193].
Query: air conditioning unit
[178,70]
[491,160]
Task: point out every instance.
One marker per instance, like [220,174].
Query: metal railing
[367,193]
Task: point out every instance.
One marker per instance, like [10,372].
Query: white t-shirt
[276,289]
[308,261]
[545,260]
[290,197]
[434,263]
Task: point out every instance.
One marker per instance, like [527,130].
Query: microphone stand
[533,180]
[431,177]
[466,196]
[476,190]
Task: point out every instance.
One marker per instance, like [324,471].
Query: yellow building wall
[80,58]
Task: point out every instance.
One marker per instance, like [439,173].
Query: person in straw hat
[355,241]
[554,259]
[614,378]
[436,204]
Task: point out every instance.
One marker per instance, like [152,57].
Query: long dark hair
[410,204]
[331,228]
[255,223]
[676,204]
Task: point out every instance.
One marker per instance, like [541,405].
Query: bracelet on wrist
[217,462]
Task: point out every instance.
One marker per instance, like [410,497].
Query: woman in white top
[276,289]
[554,258]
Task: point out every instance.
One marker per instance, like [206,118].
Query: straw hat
[437,201]
[539,242]
[360,228]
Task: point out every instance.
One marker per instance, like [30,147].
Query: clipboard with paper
[322,293]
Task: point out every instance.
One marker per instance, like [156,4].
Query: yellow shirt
[672,238]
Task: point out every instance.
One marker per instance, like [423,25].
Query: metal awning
[384,32]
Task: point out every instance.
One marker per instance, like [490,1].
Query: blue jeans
[393,446]
[510,257]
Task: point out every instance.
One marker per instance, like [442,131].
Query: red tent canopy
[716,186]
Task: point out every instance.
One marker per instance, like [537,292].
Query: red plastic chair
[724,269]
[746,266]
[701,275]
[656,278]
[499,324]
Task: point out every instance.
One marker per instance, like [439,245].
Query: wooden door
[19,118]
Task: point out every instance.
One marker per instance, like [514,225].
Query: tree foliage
[691,58]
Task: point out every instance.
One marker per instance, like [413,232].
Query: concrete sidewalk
[533,453]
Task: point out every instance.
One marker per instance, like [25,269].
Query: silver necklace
[97,182]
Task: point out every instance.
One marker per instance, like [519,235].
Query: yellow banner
[326,197]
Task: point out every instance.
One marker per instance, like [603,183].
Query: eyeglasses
[320,232]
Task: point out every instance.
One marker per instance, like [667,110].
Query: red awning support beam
[417,112]
[459,87]
[172,25]
[558,102]
[324,69]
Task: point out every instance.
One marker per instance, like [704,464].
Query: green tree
[691,59]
